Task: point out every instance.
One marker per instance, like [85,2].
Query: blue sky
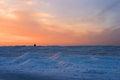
[82,9]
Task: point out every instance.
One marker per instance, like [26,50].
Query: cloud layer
[19,26]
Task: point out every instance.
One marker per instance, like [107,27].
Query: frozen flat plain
[60,63]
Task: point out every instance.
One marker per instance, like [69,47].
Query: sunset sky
[59,22]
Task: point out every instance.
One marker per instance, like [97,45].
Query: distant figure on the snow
[35,45]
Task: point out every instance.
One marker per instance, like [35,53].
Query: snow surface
[60,63]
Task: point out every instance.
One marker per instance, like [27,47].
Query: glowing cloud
[25,26]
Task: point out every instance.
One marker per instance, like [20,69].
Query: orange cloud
[22,27]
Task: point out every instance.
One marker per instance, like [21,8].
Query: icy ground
[60,63]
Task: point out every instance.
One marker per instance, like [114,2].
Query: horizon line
[51,45]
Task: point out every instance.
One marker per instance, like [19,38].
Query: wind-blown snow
[60,63]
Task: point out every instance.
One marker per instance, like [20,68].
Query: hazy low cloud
[27,27]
